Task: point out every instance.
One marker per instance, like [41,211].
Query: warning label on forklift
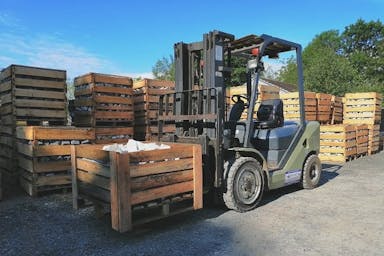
[292,177]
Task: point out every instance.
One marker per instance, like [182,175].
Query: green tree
[164,69]
[363,44]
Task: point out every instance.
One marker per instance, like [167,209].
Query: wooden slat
[113,131]
[53,133]
[93,192]
[156,193]
[93,179]
[113,100]
[117,90]
[93,152]
[5,73]
[40,83]
[160,167]
[153,83]
[42,72]
[5,99]
[52,166]
[114,115]
[53,180]
[93,167]
[164,179]
[40,113]
[75,188]
[40,104]
[197,177]
[182,151]
[39,94]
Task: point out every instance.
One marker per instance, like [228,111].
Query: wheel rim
[314,172]
[247,185]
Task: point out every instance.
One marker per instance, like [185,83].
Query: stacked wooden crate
[138,187]
[336,110]
[365,108]
[324,106]
[337,143]
[292,106]
[44,156]
[105,102]
[147,94]
[265,93]
[29,96]
[361,139]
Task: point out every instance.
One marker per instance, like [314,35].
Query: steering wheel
[237,98]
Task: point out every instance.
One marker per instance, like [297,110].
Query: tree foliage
[337,62]
[164,69]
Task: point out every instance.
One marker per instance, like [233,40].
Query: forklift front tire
[311,172]
[245,185]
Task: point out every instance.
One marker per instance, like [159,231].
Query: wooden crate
[33,95]
[265,93]
[292,106]
[337,143]
[44,156]
[362,108]
[138,187]
[103,100]
[361,139]
[373,139]
[147,94]
[336,110]
[324,106]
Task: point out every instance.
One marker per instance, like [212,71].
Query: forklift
[241,159]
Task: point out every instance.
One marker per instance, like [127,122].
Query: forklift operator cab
[272,136]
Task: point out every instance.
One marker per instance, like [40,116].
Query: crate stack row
[44,156]
[365,108]
[29,96]
[337,143]
[292,105]
[105,103]
[147,94]
[265,93]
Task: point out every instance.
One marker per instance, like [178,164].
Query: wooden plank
[116,90]
[124,190]
[40,113]
[93,152]
[84,102]
[26,164]
[75,189]
[120,107]
[113,100]
[153,83]
[40,104]
[55,180]
[95,180]
[51,150]
[182,151]
[114,115]
[40,94]
[25,149]
[159,180]
[93,192]
[6,109]
[197,177]
[52,166]
[53,133]
[160,167]
[42,72]
[113,131]
[156,193]
[5,73]
[38,83]
[362,95]
[93,167]
[83,91]
[5,99]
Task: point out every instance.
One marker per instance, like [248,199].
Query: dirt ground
[344,216]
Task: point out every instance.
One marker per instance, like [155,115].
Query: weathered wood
[93,167]
[75,191]
[197,178]
[102,78]
[40,94]
[33,82]
[40,113]
[54,133]
[160,167]
[26,103]
[39,72]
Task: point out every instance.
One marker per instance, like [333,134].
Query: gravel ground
[344,216]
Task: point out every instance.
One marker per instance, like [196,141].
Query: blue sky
[127,37]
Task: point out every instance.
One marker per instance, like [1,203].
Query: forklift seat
[270,114]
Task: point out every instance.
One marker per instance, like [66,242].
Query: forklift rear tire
[311,172]
[245,185]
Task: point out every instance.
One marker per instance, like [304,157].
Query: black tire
[244,184]
[311,172]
